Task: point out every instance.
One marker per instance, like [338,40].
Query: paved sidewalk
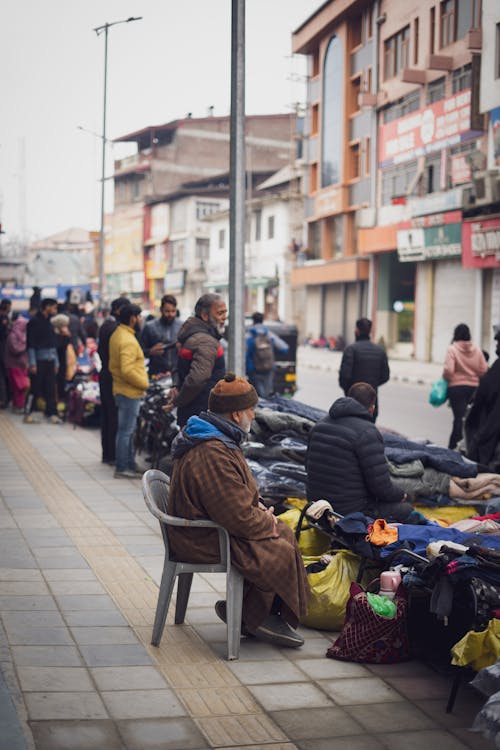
[402,370]
[80,562]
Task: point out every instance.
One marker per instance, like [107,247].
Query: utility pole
[98,30]
[236,353]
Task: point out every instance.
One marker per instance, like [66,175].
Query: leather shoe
[221,612]
[276,631]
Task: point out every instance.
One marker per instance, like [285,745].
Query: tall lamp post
[98,31]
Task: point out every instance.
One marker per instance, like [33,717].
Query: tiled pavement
[80,562]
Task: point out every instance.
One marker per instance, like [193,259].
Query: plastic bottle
[389,582]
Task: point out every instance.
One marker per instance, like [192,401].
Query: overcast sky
[176,60]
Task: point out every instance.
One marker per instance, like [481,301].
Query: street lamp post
[98,31]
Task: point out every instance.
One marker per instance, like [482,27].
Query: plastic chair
[155,488]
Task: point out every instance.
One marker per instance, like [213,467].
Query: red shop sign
[481,243]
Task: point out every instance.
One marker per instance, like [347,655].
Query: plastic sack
[311,541]
[439,392]
[381,605]
[478,649]
[330,592]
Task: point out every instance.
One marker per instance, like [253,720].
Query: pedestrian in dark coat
[211,479]
[482,424]
[159,337]
[201,362]
[346,464]
[364,362]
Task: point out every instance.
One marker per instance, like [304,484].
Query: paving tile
[50,679]
[312,648]
[49,559]
[25,603]
[473,740]
[23,588]
[347,691]
[296,695]
[46,656]
[358,742]
[384,717]
[162,734]
[20,574]
[218,701]
[115,655]
[322,669]
[123,678]
[64,706]
[68,603]
[32,619]
[421,740]
[95,618]
[82,588]
[216,633]
[314,723]
[76,735]
[252,649]
[142,704]
[199,675]
[403,669]
[39,636]
[80,574]
[240,730]
[467,705]
[262,672]
[103,635]
[433,687]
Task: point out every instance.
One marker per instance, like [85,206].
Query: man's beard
[219,327]
[246,424]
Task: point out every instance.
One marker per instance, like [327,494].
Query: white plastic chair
[155,488]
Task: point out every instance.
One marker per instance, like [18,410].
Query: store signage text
[429,242]
[481,242]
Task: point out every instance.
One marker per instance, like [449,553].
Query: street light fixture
[104,28]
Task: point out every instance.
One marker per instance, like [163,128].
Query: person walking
[261,345]
[109,413]
[463,366]
[364,362]
[159,337]
[16,362]
[43,362]
[130,381]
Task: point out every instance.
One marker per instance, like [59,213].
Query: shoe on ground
[276,631]
[54,419]
[221,612]
[31,419]
[127,474]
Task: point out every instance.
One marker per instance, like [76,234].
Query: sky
[174,61]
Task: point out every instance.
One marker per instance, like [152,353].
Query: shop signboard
[481,243]
[174,281]
[460,169]
[440,125]
[426,239]
[495,127]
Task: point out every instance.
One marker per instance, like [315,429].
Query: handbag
[372,638]
[439,392]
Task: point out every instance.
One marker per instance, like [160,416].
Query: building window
[315,64]
[258,225]
[354,161]
[136,188]
[270,227]
[448,22]
[313,177]
[333,78]
[396,53]
[202,249]
[177,254]
[497,53]
[432,31]
[314,119]
[415,41]
[461,79]
[397,180]
[315,241]
[435,91]
[457,18]
[369,22]
[222,239]
[368,81]
[432,173]
[205,209]
[356,30]
[367,155]
[404,106]
[333,237]
[355,91]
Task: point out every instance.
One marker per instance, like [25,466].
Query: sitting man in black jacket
[346,463]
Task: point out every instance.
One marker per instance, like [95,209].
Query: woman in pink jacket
[16,362]
[463,366]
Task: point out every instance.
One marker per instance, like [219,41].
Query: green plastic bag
[439,392]
[330,591]
[382,605]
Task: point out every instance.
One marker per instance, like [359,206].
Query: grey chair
[155,488]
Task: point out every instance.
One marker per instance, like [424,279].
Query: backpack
[263,355]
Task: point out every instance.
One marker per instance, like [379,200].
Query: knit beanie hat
[232,393]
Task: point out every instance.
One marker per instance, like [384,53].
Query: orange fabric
[381,533]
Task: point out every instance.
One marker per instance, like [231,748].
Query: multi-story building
[424,134]
[168,156]
[274,216]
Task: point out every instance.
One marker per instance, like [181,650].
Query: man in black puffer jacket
[364,362]
[346,463]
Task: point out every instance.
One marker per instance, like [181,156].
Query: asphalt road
[402,406]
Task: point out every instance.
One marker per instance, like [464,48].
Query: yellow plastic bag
[330,591]
[310,541]
[478,649]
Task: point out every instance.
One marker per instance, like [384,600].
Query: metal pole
[236,353]
[103,172]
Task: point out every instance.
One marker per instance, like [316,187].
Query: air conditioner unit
[486,187]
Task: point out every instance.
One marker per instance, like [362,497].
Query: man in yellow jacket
[130,380]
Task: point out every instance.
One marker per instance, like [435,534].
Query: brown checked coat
[213,481]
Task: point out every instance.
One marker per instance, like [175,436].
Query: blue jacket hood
[205,427]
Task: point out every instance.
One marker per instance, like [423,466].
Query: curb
[397,378]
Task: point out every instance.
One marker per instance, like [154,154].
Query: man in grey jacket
[158,338]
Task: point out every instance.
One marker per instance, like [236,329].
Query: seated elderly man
[211,479]
[346,463]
